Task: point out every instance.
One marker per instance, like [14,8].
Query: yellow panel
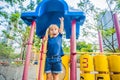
[43,75]
[87,76]
[114,63]
[115,77]
[102,77]
[101,63]
[86,63]
[65,62]
[65,67]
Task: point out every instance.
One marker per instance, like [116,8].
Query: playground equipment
[86,67]
[117,28]
[48,12]
[99,67]
[114,66]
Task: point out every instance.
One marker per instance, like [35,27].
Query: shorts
[53,65]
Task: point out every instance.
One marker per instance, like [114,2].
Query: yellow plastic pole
[86,63]
[101,63]
[86,67]
[87,76]
[114,63]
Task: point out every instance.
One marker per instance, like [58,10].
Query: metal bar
[100,42]
[73,52]
[28,53]
[117,28]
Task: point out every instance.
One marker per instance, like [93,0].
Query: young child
[53,65]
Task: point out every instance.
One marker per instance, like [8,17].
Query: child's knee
[49,76]
[55,76]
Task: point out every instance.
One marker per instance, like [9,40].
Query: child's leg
[55,76]
[49,76]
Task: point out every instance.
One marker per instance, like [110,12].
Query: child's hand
[61,25]
[61,19]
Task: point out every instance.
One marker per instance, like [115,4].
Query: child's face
[53,30]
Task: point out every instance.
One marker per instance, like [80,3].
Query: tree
[96,14]
[16,31]
[6,51]
[84,47]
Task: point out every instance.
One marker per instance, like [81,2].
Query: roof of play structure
[48,12]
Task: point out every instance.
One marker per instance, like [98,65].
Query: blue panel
[53,5]
[79,17]
[48,12]
[28,17]
[77,29]
[45,20]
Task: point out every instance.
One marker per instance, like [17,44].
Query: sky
[72,3]
[100,4]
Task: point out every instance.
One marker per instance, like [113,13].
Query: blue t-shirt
[54,46]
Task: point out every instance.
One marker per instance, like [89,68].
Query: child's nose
[54,30]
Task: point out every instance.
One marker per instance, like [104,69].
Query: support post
[28,53]
[73,52]
[100,42]
[117,28]
[40,62]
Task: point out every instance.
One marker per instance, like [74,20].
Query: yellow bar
[86,63]
[87,76]
[101,63]
[102,77]
[115,76]
[114,63]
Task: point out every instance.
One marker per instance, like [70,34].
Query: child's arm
[61,25]
[46,35]
[45,40]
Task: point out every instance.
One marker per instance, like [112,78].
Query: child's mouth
[54,34]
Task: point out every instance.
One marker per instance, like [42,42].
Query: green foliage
[37,42]
[84,47]
[14,17]
[66,50]
[4,14]
[108,32]
[5,50]
[117,3]
[31,5]
[38,1]
[8,35]
[14,56]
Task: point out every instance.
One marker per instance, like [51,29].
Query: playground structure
[99,67]
[48,12]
